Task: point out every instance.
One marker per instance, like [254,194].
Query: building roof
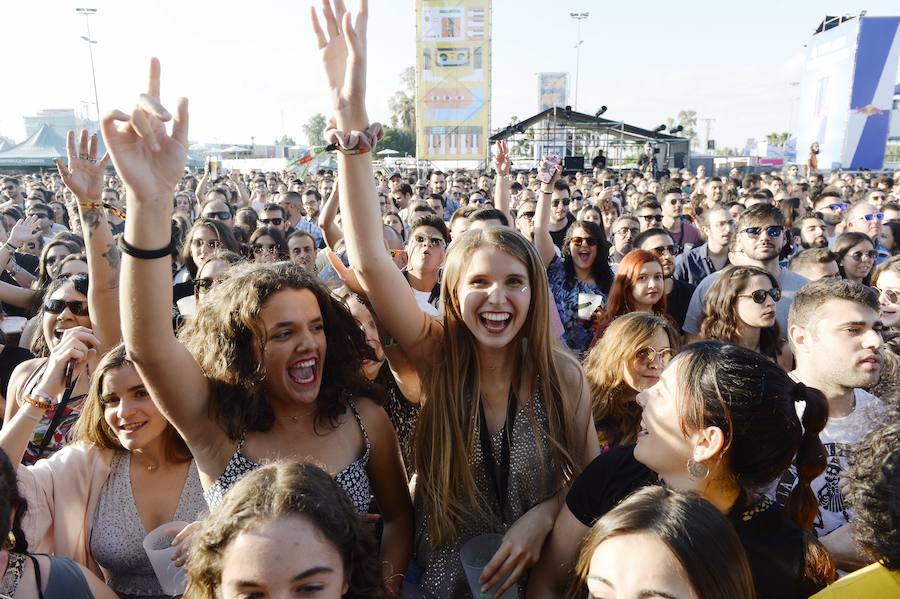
[582,120]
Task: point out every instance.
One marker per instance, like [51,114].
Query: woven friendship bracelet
[353,142]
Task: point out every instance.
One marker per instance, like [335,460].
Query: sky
[251,69]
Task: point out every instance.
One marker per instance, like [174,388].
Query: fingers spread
[63,171]
[317,28]
[92,151]
[83,144]
[362,19]
[330,21]
[104,161]
[71,152]
[153,85]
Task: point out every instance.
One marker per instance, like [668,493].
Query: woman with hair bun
[722,423]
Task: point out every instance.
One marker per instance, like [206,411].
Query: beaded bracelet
[97,205]
[30,400]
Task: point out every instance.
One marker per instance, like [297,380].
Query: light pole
[578,16]
[89,12]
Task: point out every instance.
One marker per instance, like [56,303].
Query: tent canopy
[40,150]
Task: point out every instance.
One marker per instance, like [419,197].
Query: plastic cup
[475,555]
[158,545]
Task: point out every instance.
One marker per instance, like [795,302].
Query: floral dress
[567,293]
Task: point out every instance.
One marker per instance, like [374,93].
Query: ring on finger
[84,157]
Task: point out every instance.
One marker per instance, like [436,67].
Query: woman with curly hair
[268,245]
[627,360]
[285,530]
[739,308]
[580,279]
[205,237]
[873,481]
[268,368]
[638,287]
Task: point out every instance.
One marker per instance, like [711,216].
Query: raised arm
[327,217]
[501,187]
[23,231]
[542,240]
[242,191]
[150,162]
[84,178]
[343,50]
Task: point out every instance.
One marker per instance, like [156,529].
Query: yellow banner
[453,79]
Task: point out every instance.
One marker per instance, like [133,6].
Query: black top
[775,547]
[10,357]
[29,263]
[560,236]
[678,300]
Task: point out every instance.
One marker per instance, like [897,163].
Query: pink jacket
[62,493]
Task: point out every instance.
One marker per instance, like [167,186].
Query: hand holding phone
[548,167]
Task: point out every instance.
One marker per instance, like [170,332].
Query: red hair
[620,293]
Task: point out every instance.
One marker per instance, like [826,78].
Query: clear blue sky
[251,68]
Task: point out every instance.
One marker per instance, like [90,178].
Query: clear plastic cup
[475,555]
[158,545]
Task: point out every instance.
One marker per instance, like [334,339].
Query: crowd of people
[650,382]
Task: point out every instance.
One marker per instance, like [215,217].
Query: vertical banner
[453,79]
[552,90]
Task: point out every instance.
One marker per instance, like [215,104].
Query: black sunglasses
[528,215]
[657,218]
[772,231]
[223,215]
[56,306]
[565,202]
[590,241]
[759,296]
[672,250]
[203,285]
[272,221]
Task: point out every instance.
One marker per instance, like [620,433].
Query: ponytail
[801,505]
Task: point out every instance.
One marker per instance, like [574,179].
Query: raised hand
[24,231]
[343,50]
[84,175]
[149,160]
[501,161]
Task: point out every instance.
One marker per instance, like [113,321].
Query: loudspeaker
[572,164]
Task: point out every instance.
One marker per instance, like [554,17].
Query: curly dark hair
[228,338]
[600,269]
[39,346]
[11,500]
[874,477]
[278,490]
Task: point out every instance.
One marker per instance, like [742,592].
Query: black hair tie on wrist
[140,254]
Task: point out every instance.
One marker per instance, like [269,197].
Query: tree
[314,129]
[400,140]
[286,141]
[688,120]
[403,103]
[778,139]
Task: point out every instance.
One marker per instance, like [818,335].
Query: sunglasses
[879,216]
[203,285]
[264,249]
[590,241]
[564,201]
[649,355]
[672,250]
[891,295]
[871,254]
[836,207]
[772,231]
[272,221]
[434,242]
[56,306]
[655,218]
[528,215]
[223,215]
[759,296]
[209,243]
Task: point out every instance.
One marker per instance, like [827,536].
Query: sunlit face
[54,325]
[393,221]
[302,250]
[649,287]
[637,566]
[858,261]
[294,356]
[623,235]
[888,287]
[128,410]
[73,267]
[265,250]
[426,248]
[53,257]
[857,220]
[750,313]
[761,247]
[183,204]
[813,233]
[219,210]
[494,296]
[886,239]
[664,248]
[583,253]
[643,370]
[721,228]
[286,557]
[364,319]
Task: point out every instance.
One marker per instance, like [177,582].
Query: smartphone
[551,162]
[607,183]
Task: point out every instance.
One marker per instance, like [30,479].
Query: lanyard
[501,486]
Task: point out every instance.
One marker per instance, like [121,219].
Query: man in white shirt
[835,333]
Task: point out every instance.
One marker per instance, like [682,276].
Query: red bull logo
[869,110]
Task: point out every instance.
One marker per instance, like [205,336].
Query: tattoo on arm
[113,258]
[91,218]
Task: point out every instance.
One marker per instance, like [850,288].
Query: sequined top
[531,481]
[402,413]
[117,534]
[354,479]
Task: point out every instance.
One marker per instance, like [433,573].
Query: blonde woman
[505,418]
[631,356]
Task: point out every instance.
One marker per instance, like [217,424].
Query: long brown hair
[720,315]
[617,418]
[446,430]
[620,293]
[91,426]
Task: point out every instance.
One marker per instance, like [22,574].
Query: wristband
[353,142]
[33,401]
[39,394]
[140,254]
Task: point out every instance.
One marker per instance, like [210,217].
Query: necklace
[299,417]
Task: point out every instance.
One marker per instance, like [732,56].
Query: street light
[578,16]
[89,12]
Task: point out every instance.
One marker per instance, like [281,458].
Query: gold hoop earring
[10,541]
[697,470]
